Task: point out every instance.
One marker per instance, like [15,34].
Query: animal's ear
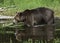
[21,14]
[27,10]
[16,12]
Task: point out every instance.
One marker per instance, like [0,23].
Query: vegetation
[13,6]
[21,5]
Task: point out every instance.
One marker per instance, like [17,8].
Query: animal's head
[20,16]
[19,35]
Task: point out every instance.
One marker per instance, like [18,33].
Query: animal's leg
[33,40]
[39,40]
[43,41]
[51,41]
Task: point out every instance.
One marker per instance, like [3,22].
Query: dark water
[9,36]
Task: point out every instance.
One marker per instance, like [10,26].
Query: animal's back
[42,14]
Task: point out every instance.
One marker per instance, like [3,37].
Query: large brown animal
[37,16]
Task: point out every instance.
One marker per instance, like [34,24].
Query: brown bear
[37,17]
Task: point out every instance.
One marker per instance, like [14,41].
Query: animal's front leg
[33,40]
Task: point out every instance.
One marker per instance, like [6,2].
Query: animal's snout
[14,21]
[18,37]
[15,34]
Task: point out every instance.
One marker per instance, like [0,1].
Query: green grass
[22,5]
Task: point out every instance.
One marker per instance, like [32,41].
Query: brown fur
[36,16]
